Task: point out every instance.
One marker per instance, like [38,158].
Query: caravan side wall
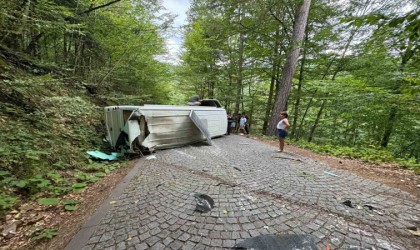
[169,126]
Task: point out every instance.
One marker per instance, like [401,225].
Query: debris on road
[204,203]
[415,232]
[240,170]
[249,198]
[269,241]
[348,203]
[287,158]
[329,173]
[307,175]
[374,209]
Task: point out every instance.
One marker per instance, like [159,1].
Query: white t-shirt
[281,124]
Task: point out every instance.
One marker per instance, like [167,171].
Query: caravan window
[126,115]
[210,103]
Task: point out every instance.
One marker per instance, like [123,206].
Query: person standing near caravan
[282,128]
[233,124]
[242,123]
[247,123]
[229,119]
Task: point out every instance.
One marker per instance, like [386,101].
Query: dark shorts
[281,133]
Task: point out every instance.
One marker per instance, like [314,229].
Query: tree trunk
[394,109]
[311,135]
[274,71]
[389,126]
[290,65]
[239,74]
[296,107]
[23,30]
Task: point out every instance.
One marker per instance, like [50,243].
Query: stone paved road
[256,191]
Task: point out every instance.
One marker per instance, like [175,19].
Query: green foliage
[70,205]
[367,154]
[40,233]
[48,201]
[79,187]
[6,202]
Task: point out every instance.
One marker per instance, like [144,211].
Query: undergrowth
[370,154]
[46,127]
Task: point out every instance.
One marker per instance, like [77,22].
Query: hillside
[47,123]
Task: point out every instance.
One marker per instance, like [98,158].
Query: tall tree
[290,65]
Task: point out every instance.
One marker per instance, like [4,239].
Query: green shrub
[368,154]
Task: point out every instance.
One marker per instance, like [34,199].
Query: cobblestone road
[256,191]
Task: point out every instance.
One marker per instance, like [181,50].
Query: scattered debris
[269,241]
[151,157]
[307,175]
[348,203]
[227,184]
[112,202]
[158,185]
[102,156]
[240,170]
[249,198]
[206,170]
[204,203]
[415,231]
[368,207]
[374,209]
[287,158]
[329,173]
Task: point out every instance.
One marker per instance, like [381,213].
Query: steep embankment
[47,123]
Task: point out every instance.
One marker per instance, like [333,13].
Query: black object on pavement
[286,242]
[204,203]
[348,203]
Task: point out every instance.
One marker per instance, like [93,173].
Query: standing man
[242,123]
[247,123]
[229,119]
[282,128]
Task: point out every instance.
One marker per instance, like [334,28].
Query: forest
[346,71]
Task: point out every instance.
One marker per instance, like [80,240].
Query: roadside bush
[367,154]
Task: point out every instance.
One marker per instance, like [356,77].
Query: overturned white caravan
[150,127]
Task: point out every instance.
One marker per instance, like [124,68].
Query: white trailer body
[150,127]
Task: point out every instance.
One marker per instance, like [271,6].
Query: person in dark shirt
[247,123]
[229,119]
